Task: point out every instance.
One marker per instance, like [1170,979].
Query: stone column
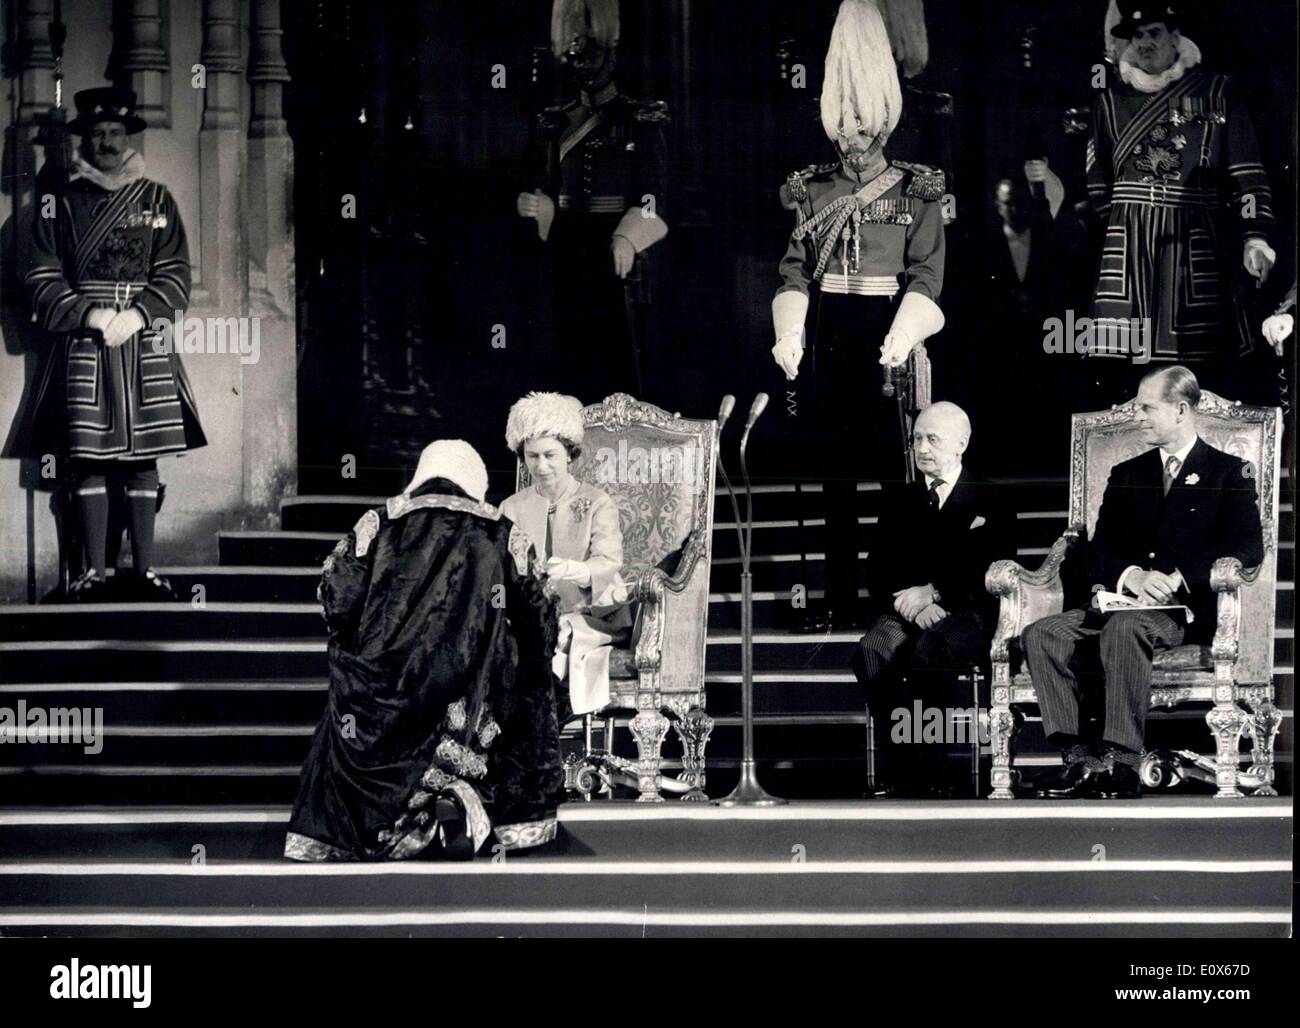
[141,61]
[219,267]
[270,385]
[35,60]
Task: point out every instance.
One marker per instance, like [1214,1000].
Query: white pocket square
[977,522]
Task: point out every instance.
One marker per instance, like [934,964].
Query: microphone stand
[748,792]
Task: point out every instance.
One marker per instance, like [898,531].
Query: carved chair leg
[1002,727]
[649,728]
[694,730]
[1265,719]
[1226,721]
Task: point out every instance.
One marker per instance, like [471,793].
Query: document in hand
[1109,603]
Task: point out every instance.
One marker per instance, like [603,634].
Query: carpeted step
[162,621]
[816,887]
[876,830]
[629,923]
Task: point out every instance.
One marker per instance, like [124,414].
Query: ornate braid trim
[400,506]
[527,834]
[303,847]
[467,763]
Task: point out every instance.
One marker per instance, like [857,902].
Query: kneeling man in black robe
[441,725]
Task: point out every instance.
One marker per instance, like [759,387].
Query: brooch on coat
[1192,479]
[580,509]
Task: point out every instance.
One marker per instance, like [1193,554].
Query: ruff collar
[1189,56]
[130,170]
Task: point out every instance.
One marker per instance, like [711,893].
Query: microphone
[756,409]
[724,410]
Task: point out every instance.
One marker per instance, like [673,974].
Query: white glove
[916,320]
[1277,329]
[1258,258]
[539,206]
[896,348]
[575,571]
[788,352]
[126,324]
[789,310]
[99,318]
[624,254]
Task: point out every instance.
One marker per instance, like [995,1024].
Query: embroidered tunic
[119,249]
[871,239]
[1175,174]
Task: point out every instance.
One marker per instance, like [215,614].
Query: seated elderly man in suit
[935,540]
[1165,517]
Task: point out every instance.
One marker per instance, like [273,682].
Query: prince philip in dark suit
[935,540]
[1166,517]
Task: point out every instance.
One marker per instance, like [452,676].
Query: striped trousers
[1064,651]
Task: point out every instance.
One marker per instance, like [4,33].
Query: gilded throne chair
[1234,675]
[659,470]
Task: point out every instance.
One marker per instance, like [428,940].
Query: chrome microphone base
[748,793]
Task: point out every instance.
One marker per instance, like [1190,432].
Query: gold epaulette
[794,190]
[654,112]
[927,183]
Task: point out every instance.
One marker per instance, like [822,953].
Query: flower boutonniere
[579,508]
[1192,479]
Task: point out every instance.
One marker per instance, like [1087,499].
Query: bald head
[939,438]
[948,418]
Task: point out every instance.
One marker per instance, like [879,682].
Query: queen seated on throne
[575,529]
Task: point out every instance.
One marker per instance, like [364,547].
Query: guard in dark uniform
[601,209]
[107,269]
[1174,169]
[869,236]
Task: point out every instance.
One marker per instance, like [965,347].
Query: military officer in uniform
[1174,170]
[601,209]
[112,398]
[867,254]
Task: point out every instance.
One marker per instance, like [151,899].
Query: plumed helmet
[597,19]
[860,92]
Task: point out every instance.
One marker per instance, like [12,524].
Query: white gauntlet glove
[1277,329]
[788,312]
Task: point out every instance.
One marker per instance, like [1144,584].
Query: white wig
[456,461]
[860,91]
[905,23]
[571,18]
[544,414]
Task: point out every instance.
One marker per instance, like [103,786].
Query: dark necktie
[934,493]
[1172,466]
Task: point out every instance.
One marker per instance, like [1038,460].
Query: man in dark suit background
[933,618]
[1165,517]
